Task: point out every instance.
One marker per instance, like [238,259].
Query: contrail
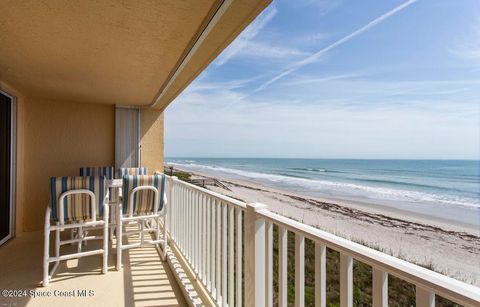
[317,55]
[314,57]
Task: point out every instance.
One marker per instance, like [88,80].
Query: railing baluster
[192,230]
[204,239]
[269,262]
[184,230]
[299,270]
[239,257]
[379,288]
[320,275]
[282,266]
[224,255]
[218,252]
[201,241]
[188,205]
[168,216]
[214,248]
[231,255]
[346,280]
[173,207]
[197,233]
[178,201]
[180,214]
[424,297]
[208,246]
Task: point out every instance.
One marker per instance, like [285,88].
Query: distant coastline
[441,189]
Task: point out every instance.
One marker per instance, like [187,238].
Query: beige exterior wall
[152,139]
[56,138]
[59,138]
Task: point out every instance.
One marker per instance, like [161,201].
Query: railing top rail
[445,286]
[218,196]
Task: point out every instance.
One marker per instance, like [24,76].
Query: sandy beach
[449,248]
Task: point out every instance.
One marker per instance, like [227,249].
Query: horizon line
[343,158]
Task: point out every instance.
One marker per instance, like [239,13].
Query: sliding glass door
[6,166]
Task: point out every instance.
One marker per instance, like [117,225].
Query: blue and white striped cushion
[77,206]
[106,171]
[143,200]
[133,171]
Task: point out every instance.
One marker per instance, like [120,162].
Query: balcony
[144,280]
[221,253]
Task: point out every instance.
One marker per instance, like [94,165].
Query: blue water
[448,189]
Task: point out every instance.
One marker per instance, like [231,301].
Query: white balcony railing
[231,263]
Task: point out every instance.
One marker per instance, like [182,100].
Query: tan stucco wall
[56,138]
[59,138]
[152,139]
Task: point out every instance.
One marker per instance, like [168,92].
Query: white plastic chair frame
[112,223]
[61,226]
[145,223]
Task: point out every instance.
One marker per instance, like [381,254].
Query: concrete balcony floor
[144,280]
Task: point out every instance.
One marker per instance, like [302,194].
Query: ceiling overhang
[141,53]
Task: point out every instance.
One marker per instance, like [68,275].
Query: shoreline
[370,207]
[348,207]
[441,245]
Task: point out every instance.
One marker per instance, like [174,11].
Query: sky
[339,79]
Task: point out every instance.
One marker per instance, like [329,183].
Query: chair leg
[46,247]
[105,248]
[80,238]
[164,237]
[57,246]
[119,237]
[71,235]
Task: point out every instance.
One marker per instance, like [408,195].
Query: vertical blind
[127,137]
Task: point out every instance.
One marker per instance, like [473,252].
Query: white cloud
[469,48]
[308,80]
[311,39]
[323,7]
[266,50]
[196,125]
[247,35]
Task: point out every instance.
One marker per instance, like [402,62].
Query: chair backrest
[143,200]
[106,171]
[133,171]
[77,206]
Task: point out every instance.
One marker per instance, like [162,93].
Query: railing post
[320,275]
[168,215]
[269,264]
[282,266]
[424,297]
[254,256]
[299,270]
[379,288]
[346,280]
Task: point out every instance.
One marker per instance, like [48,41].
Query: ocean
[446,189]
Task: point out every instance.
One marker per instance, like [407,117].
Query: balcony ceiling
[113,52]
